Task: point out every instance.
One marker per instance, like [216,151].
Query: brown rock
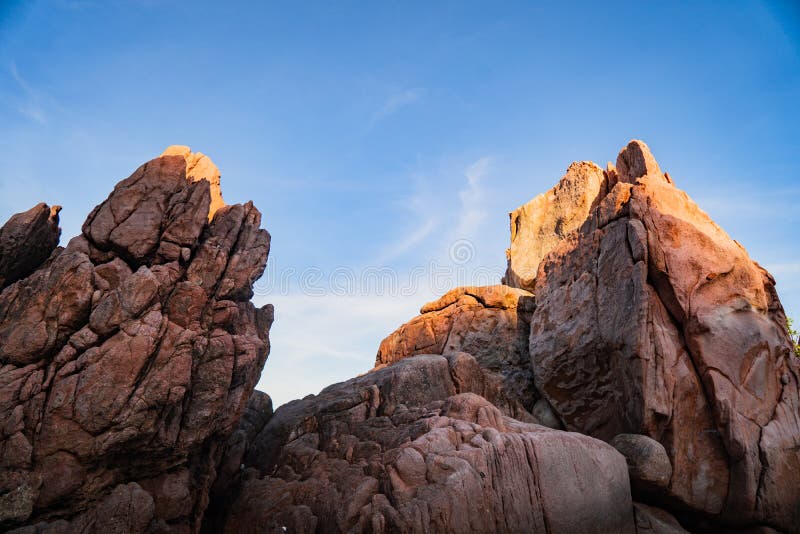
[650,320]
[538,226]
[405,449]
[127,359]
[26,241]
[490,323]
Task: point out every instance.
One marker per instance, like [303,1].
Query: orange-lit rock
[200,167]
[539,225]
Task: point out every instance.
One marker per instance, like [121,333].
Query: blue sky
[388,134]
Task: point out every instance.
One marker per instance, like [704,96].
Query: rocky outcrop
[651,320]
[538,226]
[651,329]
[127,357]
[490,323]
[412,447]
[26,241]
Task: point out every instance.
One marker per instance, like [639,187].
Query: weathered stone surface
[127,359]
[26,241]
[490,323]
[407,449]
[539,225]
[651,320]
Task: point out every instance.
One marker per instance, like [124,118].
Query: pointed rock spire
[635,161]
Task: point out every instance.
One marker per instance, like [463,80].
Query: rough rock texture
[412,448]
[490,323]
[26,241]
[127,357]
[538,226]
[651,320]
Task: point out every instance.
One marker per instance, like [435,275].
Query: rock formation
[651,329]
[413,447]
[490,323]
[127,357]
[650,320]
[538,226]
[635,374]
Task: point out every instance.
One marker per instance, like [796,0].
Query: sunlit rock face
[651,320]
[127,357]
[200,167]
[538,226]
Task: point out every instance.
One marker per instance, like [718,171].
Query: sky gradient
[388,141]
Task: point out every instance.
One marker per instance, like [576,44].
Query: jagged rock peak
[200,167]
[635,161]
[128,356]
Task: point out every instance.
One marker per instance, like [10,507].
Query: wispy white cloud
[31,102]
[395,103]
[473,210]
[422,220]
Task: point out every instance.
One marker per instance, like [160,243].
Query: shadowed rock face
[650,320]
[127,358]
[26,241]
[413,447]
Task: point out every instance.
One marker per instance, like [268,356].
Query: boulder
[648,463]
[490,323]
[128,357]
[651,520]
[408,448]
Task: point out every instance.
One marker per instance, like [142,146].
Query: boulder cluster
[633,373]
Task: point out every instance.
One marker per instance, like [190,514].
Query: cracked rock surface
[414,447]
[128,356]
[651,320]
[491,323]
